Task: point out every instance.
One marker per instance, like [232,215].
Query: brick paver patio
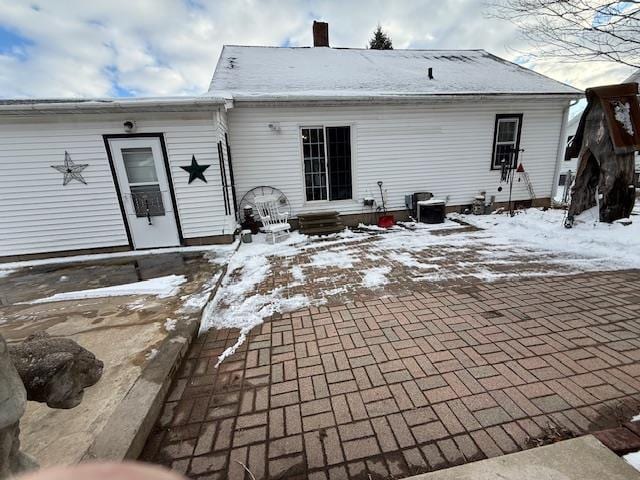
[395,386]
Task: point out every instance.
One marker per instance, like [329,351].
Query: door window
[139,165]
[146,195]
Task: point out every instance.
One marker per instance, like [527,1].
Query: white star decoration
[70,170]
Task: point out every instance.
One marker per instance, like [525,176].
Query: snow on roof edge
[237,70]
[530,70]
[356,95]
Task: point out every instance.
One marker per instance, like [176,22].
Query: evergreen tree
[380,40]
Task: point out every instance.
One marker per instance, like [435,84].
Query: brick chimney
[320,34]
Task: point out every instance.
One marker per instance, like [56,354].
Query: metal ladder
[527,180]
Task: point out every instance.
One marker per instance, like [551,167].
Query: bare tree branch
[577,30]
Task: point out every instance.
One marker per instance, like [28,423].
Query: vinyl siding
[443,148]
[38,214]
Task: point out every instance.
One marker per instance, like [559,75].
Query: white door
[144,187]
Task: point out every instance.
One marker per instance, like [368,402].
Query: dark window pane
[314,164]
[507,130]
[506,153]
[562,180]
[339,162]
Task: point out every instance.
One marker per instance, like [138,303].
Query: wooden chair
[274,222]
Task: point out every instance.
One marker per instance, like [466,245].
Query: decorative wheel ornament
[70,170]
[249,200]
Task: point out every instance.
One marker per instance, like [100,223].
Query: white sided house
[322,125]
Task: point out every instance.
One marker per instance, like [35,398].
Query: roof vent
[430,73]
[320,34]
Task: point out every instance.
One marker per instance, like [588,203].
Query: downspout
[230,210]
[562,146]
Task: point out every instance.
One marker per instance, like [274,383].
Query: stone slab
[583,458]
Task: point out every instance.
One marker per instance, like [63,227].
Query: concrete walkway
[579,459]
[394,387]
[122,331]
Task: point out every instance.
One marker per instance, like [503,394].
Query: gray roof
[282,73]
[634,77]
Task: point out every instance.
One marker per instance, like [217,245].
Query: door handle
[146,205]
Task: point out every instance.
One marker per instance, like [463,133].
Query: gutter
[83,106]
[319,100]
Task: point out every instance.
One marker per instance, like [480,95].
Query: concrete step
[312,215]
[322,230]
[320,221]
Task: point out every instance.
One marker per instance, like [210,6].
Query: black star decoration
[195,170]
[70,170]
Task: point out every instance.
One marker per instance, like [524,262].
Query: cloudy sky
[91,48]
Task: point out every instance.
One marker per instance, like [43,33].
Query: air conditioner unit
[431,211]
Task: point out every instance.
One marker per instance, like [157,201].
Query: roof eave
[115,106]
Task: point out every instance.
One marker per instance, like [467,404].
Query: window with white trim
[506,140]
[326,153]
[562,179]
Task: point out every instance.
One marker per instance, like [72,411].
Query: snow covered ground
[264,279]
[222,252]
[589,245]
[237,304]
[162,287]
[633,459]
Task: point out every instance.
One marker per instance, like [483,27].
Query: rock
[55,371]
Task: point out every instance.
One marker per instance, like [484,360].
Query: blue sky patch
[120,91]
[522,59]
[96,23]
[12,42]
[117,90]
[194,4]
